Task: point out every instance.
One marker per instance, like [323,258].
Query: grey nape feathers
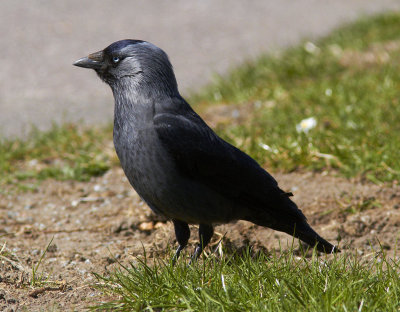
[176,163]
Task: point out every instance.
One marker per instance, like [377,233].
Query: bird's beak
[94,60]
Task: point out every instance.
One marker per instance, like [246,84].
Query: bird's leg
[182,233]
[206,231]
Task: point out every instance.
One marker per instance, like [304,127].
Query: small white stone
[235,114]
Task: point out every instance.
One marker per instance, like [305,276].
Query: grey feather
[176,163]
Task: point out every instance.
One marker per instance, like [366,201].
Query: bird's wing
[203,156]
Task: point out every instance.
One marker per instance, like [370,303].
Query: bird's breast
[153,173]
[146,164]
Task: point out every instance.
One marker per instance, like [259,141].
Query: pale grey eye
[115,59]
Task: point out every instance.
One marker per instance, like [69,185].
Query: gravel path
[41,39]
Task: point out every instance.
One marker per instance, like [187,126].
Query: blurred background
[41,39]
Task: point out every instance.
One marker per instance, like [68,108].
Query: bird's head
[132,62]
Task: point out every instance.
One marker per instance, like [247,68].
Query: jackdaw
[176,163]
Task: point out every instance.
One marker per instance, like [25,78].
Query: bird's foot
[196,254]
[177,254]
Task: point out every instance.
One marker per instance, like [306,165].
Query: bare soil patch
[94,222]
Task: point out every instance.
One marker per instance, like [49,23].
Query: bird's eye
[115,59]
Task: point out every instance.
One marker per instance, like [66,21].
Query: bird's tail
[305,233]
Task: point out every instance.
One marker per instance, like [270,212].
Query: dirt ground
[93,222]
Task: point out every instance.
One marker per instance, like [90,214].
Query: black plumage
[176,163]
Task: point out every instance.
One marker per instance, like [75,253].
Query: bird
[176,163]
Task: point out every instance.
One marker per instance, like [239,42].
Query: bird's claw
[177,254]
[196,254]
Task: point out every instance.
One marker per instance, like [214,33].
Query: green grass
[65,152]
[246,282]
[349,82]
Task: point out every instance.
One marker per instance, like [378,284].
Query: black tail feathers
[305,233]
